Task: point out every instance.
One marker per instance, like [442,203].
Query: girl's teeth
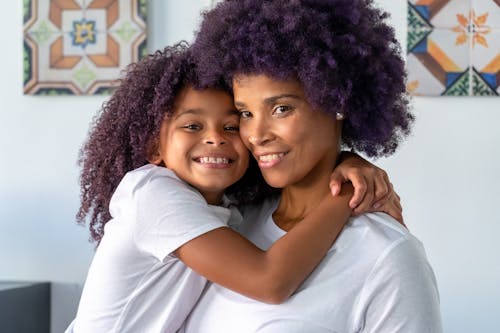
[214,160]
[270,157]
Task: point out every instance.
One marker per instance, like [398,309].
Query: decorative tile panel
[453,47]
[79,47]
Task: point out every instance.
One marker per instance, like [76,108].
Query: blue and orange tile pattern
[79,47]
[453,47]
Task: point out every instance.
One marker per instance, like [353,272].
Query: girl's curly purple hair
[125,130]
[342,51]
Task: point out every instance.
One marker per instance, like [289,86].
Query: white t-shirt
[134,283]
[375,278]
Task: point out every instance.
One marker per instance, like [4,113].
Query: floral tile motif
[79,47]
[485,64]
[453,47]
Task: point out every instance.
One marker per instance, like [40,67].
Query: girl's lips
[214,162]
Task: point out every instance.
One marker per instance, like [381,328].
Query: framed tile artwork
[79,47]
[453,47]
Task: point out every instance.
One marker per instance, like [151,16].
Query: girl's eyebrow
[270,100]
[190,111]
[200,111]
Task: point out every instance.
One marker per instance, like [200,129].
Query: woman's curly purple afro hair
[122,134]
[342,51]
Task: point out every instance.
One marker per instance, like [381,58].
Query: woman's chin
[276,182]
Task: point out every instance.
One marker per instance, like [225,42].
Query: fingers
[396,214]
[364,193]
[397,202]
[383,188]
[382,201]
[393,208]
[336,180]
[360,188]
[372,187]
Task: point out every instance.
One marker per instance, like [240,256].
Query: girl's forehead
[203,102]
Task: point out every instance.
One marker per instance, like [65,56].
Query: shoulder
[150,185]
[380,231]
[398,287]
[154,180]
[396,258]
[150,173]
[385,247]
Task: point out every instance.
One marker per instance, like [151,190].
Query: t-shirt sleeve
[169,214]
[400,294]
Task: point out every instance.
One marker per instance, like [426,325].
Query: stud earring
[339,116]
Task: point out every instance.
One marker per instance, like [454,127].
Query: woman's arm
[227,258]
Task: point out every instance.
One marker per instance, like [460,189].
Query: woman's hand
[372,189]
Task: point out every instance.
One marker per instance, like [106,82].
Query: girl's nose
[215,138]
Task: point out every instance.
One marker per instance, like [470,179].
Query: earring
[339,116]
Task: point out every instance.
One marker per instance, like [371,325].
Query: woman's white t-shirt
[375,278]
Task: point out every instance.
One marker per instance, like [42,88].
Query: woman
[307,77]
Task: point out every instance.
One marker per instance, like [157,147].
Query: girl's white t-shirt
[134,283]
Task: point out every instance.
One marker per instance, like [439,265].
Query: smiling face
[200,142]
[293,144]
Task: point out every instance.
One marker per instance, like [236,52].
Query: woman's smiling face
[292,143]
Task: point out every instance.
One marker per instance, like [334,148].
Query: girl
[170,215]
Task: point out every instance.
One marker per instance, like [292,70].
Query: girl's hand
[392,207]
[372,189]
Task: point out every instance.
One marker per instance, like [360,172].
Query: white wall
[447,175]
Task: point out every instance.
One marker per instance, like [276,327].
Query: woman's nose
[256,133]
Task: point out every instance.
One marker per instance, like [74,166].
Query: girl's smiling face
[292,143]
[200,142]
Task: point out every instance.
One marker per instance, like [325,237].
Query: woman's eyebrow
[270,100]
[273,99]
[239,104]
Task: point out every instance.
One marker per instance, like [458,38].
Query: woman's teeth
[271,157]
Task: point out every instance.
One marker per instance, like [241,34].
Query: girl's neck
[213,198]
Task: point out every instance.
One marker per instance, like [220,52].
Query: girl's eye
[281,109]
[192,127]
[232,128]
[245,114]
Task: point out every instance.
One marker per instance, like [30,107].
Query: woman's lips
[269,160]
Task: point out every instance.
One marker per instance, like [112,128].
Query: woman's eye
[245,114]
[280,109]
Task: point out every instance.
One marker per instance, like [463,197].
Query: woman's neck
[300,199]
